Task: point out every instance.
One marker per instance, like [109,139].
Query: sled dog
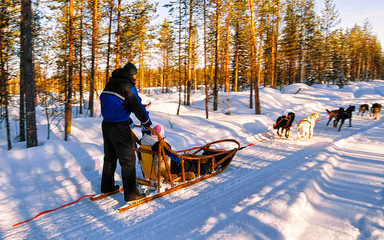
[343,115]
[375,110]
[362,109]
[305,126]
[284,123]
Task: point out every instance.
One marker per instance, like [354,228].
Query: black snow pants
[118,144]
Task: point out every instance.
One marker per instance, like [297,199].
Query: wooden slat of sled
[147,161]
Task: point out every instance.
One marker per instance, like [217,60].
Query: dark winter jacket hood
[120,98]
[120,74]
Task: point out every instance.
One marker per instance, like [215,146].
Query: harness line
[38,215]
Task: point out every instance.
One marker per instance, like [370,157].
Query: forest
[60,53]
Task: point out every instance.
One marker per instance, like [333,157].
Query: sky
[327,187]
[353,12]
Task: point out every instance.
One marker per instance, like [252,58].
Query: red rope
[257,141]
[329,115]
[38,215]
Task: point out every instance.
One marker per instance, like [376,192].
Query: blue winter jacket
[120,98]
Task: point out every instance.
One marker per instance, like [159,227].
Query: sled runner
[207,161]
[104,195]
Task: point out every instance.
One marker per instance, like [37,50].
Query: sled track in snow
[263,182]
[250,192]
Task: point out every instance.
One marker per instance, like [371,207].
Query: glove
[145,131]
[131,124]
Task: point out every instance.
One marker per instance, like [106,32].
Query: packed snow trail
[279,197]
[330,187]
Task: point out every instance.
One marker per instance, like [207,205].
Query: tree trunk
[118,34]
[8,128]
[257,81]
[236,80]
[226,60]
[141,66]
[22,86]
[179,60]
[3,87]
[27,55]
[205,61]
[253,59]
[93,57]
[109,41]
[217,52]
[190,42]
[68,101]
[275,47]
[81,58]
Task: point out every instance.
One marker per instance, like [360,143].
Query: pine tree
[205,59]
[141,14]
[226,56]
[94,45]
[307,25]
[166,46]
[80,50]
[289,42]
[178,10]
[110,16]
[29,80]
[255,66]
[271,41]
[69,83]
[118,34]
[217,53]
[191,6]
[329,20]
[8,33]
[240,43]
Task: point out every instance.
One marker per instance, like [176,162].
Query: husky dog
[362,109]
[332,114]
[305,126]
[284,123]
[375,110]
[343,115]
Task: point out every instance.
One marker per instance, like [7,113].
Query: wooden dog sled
[217,160]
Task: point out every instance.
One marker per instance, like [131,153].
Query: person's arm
[171,155]
[134,102]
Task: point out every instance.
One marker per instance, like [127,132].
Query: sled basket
[206,161]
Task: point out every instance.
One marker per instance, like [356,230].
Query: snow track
[287,196]
[330,187]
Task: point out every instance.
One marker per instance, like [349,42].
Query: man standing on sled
[118,100]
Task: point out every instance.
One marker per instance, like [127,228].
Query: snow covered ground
[329,187]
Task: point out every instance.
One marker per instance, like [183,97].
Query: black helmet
[130,68]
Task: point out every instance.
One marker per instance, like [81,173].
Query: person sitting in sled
[151,139]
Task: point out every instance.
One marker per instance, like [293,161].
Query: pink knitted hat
[158,129]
